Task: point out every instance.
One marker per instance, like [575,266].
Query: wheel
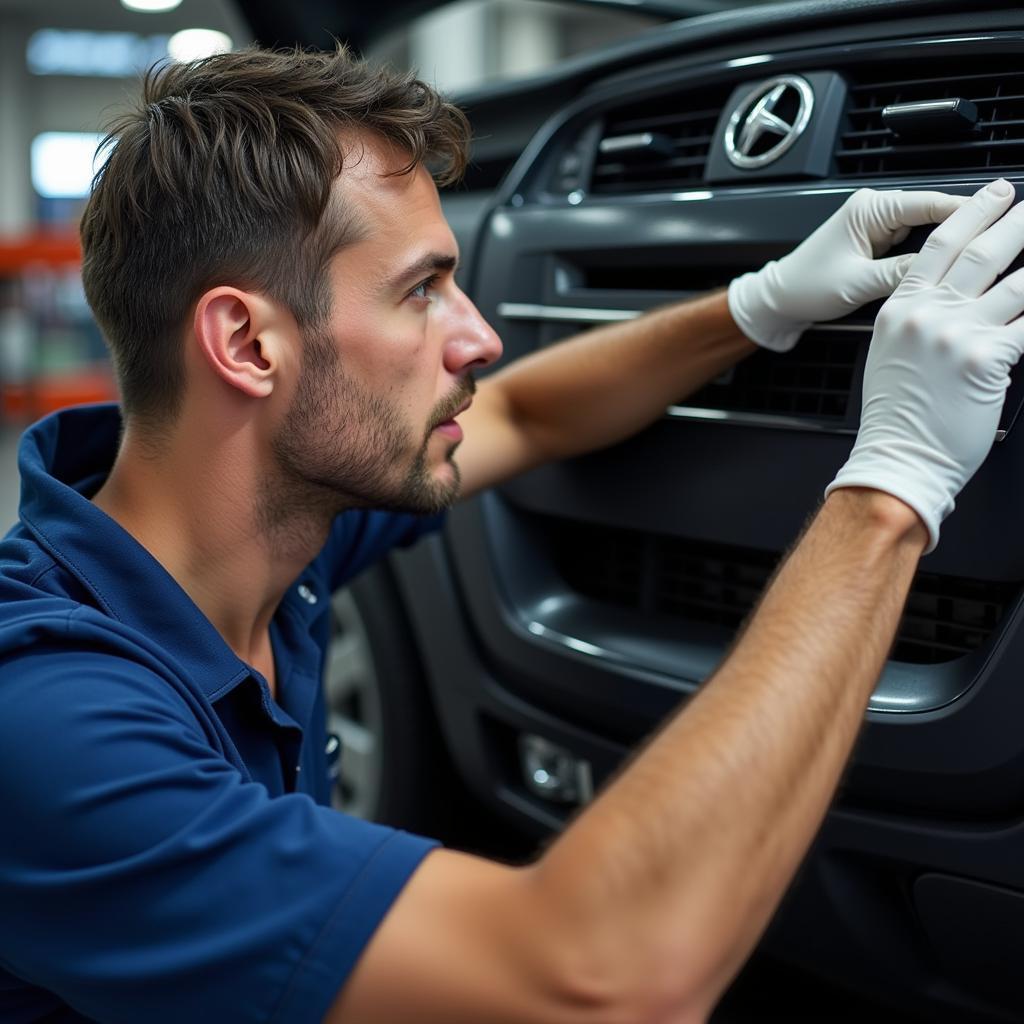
[393,767]
[353,710]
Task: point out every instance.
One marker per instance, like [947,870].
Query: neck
[204,507]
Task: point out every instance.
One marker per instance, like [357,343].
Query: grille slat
[946,616]
[648,121]
[994,84]
[623,170]
[932,148]
[940,80]
[687,119]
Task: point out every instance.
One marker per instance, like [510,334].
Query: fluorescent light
[150,5]
[63,163]
[196,43]
[53,51]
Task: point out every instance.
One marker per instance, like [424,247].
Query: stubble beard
[341,446]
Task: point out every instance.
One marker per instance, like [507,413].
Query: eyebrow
[432,262]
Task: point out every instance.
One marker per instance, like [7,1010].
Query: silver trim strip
[582,646]
[924,107]
[573,314]
[618,143]
[754,419]
[597,315]
[744,191]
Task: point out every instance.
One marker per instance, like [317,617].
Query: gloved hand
[834,271]
[939,362]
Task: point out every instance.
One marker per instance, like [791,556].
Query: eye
[424,288]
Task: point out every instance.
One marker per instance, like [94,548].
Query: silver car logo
[768,120]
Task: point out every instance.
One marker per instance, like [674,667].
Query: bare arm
[648,904]
[745,774]
[596,389]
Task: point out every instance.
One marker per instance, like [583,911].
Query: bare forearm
[606,385]
[682,861]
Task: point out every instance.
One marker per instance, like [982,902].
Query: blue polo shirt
[167,851]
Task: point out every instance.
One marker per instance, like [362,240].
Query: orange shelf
[26,402]
[51,250]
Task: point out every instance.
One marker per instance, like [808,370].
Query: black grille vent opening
[994,84]
[679,128]
[812,381]
[611,275]
[945,618]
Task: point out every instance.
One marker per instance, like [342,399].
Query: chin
[447,469]
[448,477]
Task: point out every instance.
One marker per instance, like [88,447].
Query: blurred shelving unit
[51,351]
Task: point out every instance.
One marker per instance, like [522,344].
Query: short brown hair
[223,175]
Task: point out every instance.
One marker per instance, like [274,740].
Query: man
[268,259]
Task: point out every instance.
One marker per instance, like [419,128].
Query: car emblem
[768,120]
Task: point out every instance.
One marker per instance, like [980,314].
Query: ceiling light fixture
[150,6]
[196,43]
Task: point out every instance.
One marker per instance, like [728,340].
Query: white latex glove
[834,271]
[939,362]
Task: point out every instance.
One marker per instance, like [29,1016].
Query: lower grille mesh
[814,380]
[945,617]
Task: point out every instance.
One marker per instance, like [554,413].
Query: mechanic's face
[373,417]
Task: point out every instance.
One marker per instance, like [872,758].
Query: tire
[393,766]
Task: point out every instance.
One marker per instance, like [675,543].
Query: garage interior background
[66,67]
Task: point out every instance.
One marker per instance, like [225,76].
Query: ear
[238,336]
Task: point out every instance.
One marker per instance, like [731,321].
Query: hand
[834,271]
[939,362]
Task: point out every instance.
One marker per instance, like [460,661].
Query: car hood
[319,22]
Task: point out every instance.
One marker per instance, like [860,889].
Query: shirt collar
[63,459]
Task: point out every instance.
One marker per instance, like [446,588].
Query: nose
[471,343]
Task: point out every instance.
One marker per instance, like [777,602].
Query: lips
[449,428]
[454,405]
[451,418]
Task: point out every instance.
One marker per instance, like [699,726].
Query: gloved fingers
[1004,301]
[951,237]
[988,255]
[899,209]
[887,217]
[880,278]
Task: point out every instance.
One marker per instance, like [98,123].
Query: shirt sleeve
[359,538]
[143,878]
